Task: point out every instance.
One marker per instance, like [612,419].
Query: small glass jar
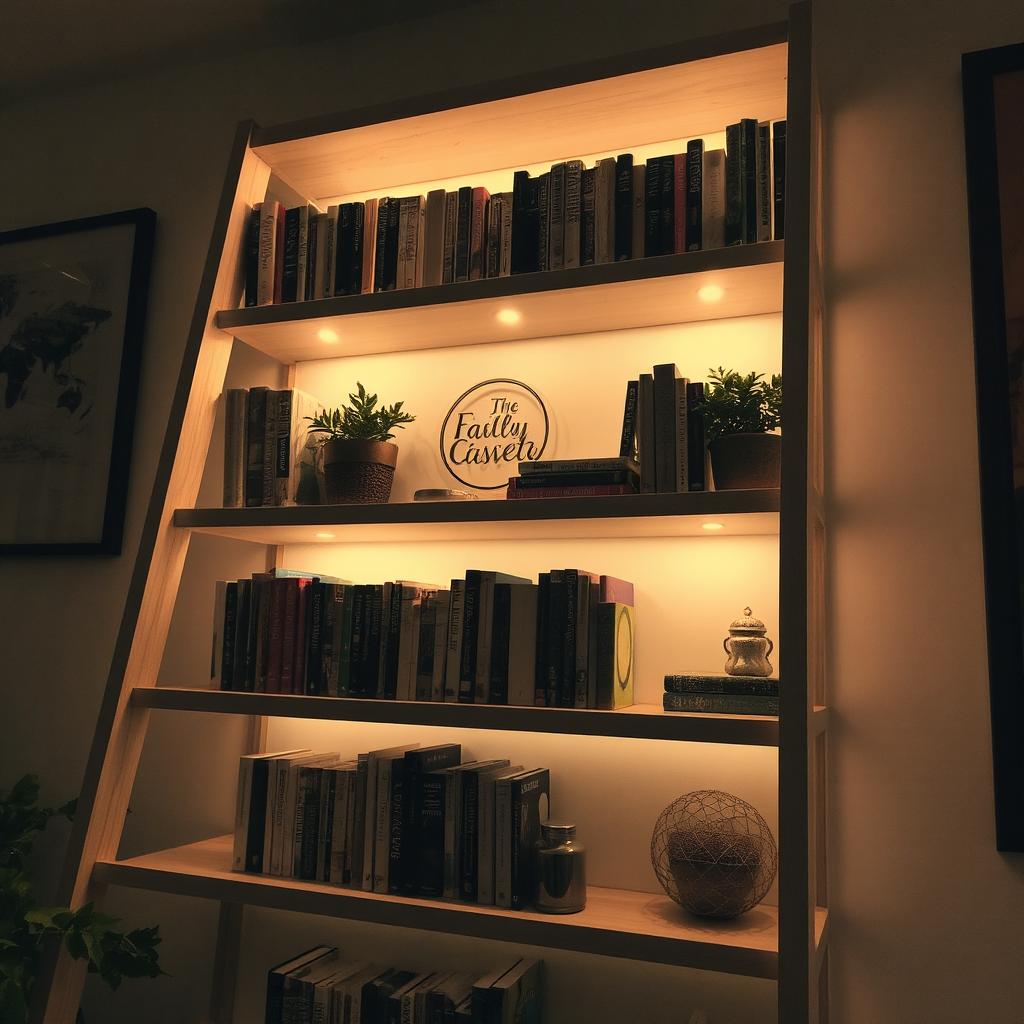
[561,870]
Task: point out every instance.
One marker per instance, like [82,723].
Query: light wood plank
[640,515]
[616,922]
[531,123]
[642,721]
[604,297]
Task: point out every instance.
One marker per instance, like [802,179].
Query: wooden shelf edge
[617,923]
[594,276]
[643,721]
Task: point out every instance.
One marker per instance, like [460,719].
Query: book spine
[463,234]
[567,675]
[604,211]
[682,420]
[380,244]
[493,246]
[225,667]
[764,182]
[505,248]
[430,859]
[396,825]
[503,843]
[484,630]
[720,704]
[554,660]
[627,439]
[243,803]
[453,654]
[695,431]
[234,448]
[556,219]
[358,845]
[468,852]
[282,446]
[267,250]
[637,216]
[521,245]
[423,667]
[311,255]
[369,243]
[412,236]
[779,179]
[557,467]
[252,256]
[391,242]
[713,200]
[652,208]
[665,376]
[588,225]
[269,447]
[522,646]
[645,433]
[573,196]
[540,685]
[257,818]
[314,681]
[733,187]
[275,635]
[302,267]
[736,686]
[392,630]
[320,281]
[290,274]
[606,656]
[470,638]
[289,636]
[694,195]
[279,255]
[311,826]
[582,654]
[442,611]
[748,165]
[679,225]
[478,233]
[433,238]
[529,481]
[344,250]
[623,228]
[330,252]
[451,220]
[404,229]
[485,843]
[516,492]
[593,598]
[498,682]
[667,205]
[543,221]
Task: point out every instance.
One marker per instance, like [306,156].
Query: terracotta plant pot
[358,472]
[743,461]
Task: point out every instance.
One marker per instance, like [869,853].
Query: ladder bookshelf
[622,104]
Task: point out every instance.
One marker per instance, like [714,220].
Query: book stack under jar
[722,694]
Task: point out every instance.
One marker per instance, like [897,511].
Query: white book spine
[505,253]
[682,438]
[382,830]
[242,811]
[267,251]
[713,200]
[503,843]
[454,647]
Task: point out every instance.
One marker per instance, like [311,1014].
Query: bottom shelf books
[320,987]
[407,820]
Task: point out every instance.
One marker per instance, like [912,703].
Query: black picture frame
[107,539]
[1002,504]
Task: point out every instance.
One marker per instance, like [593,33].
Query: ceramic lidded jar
[748,647]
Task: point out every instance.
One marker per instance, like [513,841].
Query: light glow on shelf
[324,536]
[326,335]
[509,316]
[712,526]
[710,293]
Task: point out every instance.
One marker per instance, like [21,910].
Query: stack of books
[663,428]
[269,458]
[575,478]
[406,820]
[490,638]
[722,695]
[569,216]
[319,986]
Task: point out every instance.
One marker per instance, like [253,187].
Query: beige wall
[928,916]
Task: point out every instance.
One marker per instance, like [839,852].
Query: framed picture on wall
[72,311]
[993,83]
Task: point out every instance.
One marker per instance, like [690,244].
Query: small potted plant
[358,457]
[741,411]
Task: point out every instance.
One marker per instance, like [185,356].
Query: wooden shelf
[626,515]
[619,923]
[642,721]
[604,297]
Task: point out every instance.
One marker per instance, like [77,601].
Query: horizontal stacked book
[406,820]
[268,455]
[575,478]
[569,216]
[319,986]
[722,695]
[490,638]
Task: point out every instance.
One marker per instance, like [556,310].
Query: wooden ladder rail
[121,726]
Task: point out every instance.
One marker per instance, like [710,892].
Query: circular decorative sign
[490,429]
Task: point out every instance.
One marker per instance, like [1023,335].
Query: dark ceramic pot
[743,461]
[358,472]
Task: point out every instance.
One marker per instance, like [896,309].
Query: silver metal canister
[561,870]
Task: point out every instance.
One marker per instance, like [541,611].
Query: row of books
[575,478]
[406,820]
[268,459]
[490,638]
[567,217]
[319,986]
[722,695]
[663,429]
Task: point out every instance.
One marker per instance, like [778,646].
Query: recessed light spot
[325,334]
[710,293]
[325,536]
[712,526]
[509,316]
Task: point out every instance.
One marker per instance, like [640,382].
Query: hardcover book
[749,686]
[616,655]
[721,703]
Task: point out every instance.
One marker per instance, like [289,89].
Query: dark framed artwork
[993,83]
[72,311]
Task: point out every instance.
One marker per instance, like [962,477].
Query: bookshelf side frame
[149,605]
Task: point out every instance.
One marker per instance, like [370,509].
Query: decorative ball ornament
[714,854]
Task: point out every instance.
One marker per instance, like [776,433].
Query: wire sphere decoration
[714,854]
